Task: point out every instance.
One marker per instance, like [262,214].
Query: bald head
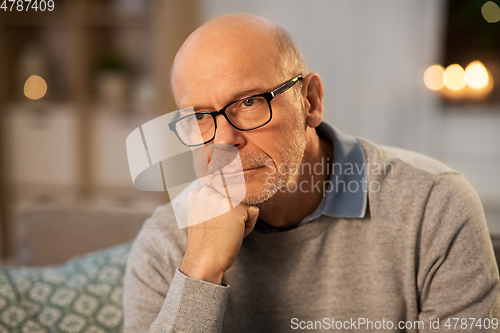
[235,43]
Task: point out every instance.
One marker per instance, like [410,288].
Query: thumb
[253,214]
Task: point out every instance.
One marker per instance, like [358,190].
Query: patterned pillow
[84,295]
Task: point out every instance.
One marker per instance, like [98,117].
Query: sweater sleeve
[192,305]
[457,273]
[157,296]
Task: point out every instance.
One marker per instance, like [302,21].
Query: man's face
[208,77]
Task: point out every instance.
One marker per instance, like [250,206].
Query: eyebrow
[236,96]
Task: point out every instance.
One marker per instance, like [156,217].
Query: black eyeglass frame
[268,96]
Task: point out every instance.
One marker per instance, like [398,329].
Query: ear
[312,97]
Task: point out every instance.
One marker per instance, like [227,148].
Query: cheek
[278,138]
[290,114]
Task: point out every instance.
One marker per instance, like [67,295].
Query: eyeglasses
[244,114]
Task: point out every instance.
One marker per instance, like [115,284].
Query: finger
[253,214]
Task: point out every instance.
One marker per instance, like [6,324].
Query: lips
[237,171]
[231,172]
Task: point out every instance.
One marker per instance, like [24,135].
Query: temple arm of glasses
[285,86]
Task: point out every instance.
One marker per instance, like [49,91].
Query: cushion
[84,295]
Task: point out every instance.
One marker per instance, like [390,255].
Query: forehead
[219,65]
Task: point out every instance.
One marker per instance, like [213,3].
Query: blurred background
[75,81]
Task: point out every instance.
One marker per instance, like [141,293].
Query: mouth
[239,171]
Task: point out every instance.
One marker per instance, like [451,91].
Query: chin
[258,194]
[256,190]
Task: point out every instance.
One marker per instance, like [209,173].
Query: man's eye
[200,116]
[248,102]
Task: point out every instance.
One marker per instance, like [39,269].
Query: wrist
[202,271]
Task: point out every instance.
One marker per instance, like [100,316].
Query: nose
[226,134]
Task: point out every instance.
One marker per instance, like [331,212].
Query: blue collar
[347,197]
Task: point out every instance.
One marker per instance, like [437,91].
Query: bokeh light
[476,75]
[433,77]
[454,77]
[35,87]
[491,12]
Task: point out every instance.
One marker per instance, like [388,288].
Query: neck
[288,207]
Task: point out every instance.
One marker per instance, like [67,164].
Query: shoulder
[411,168]
[406,159]
[160,237]
[410,181]
[402,170]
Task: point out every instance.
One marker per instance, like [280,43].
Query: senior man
[376,238]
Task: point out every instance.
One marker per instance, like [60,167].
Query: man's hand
[212,246]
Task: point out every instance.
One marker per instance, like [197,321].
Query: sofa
[83,295]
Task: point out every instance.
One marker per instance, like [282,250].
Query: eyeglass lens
[245,114]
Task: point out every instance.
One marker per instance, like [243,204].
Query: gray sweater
[419,258]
